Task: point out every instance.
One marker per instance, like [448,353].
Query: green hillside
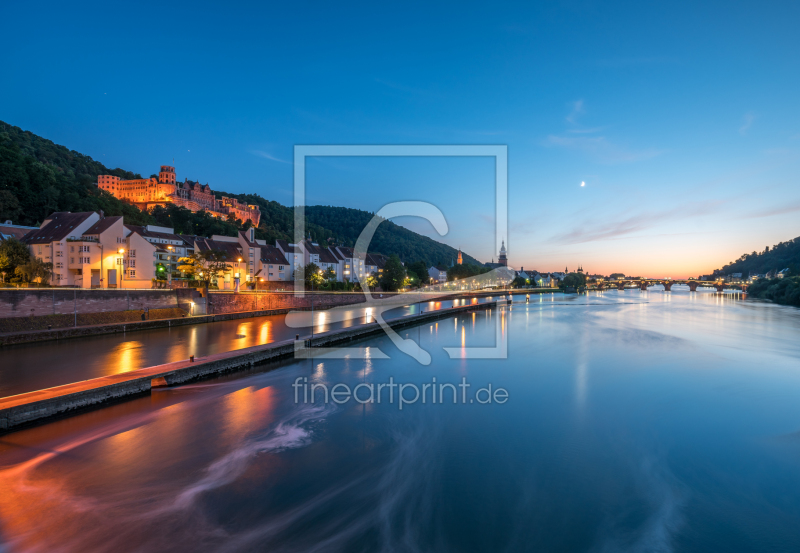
[38,177]
[389,237]
[778,257]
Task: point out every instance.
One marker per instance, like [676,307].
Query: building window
[132,253]
[72,260]
[133,263]
[132,273]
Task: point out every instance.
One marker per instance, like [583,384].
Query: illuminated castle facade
[147,193]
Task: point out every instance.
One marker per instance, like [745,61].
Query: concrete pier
[33,407]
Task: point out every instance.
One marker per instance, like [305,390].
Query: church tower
[459,261]
[502,260]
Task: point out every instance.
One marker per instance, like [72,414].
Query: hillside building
[148,193]
[89,250]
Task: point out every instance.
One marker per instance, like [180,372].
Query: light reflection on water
[635,422]
[51,364]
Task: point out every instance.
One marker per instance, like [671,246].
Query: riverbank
[13,338]
[34,407]
[784,291]
[68,332]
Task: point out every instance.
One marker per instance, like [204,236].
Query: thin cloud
[269,156]
[749,118]
[602,149]
[777,210]
[577,111]
[593,232]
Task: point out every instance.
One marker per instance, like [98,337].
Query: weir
[33,407]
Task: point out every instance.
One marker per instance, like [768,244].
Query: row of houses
[740,278]
[541,280]
[534,278]
[89,250]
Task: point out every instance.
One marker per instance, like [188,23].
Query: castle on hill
[148,193]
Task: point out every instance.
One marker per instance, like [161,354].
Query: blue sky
[683,121]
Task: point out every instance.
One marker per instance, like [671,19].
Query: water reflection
[649,424]
[57,363]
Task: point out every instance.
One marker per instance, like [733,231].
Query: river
[634,421]
[39,365]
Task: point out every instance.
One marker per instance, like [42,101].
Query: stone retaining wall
[220,302]
[27,303]
[25,324]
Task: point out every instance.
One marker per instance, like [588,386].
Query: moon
[583,183]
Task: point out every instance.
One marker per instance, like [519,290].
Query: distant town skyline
[655,140]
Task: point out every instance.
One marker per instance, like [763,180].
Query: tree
[329,275]
[372,281]
[393,275]
[13,253]
[34,269]
[519,282]
[204,266]
[573,280]
[9,206]
[421,270]
[311,275]
[457,272]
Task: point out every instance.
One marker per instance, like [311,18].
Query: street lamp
[169,273]
[121,251]
[312,305]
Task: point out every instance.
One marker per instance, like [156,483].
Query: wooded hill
[38,177]
[780,256]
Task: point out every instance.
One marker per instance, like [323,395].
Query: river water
[35,366]
[634,422]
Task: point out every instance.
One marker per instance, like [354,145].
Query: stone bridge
[643,284]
